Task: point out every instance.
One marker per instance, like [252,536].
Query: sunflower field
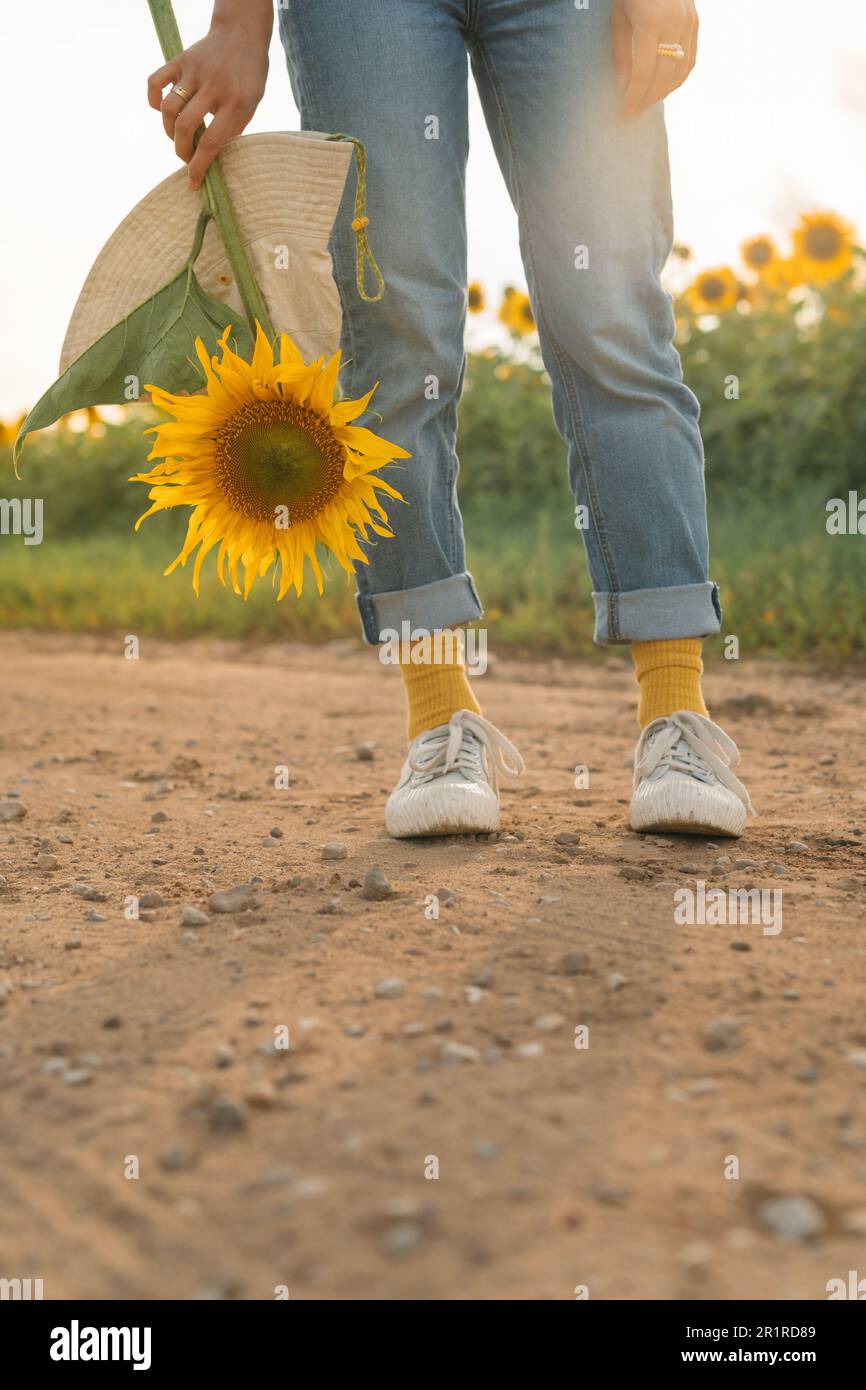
[773,348]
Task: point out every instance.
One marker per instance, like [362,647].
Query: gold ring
[181,92]
[671,50]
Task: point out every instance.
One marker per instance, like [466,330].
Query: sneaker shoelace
[457,746]
[690,743]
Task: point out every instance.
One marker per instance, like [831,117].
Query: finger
[643,66]
[663,81]
[159,80]
[622,40]
[187,123]
[172,106]
[221,128]
[690,44]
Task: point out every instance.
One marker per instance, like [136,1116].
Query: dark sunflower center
[713,287]
[823,243]
[760,253]
[275,454]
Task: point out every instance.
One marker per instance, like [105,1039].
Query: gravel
[236,899]
[193,917]
[390,989]
[722,1034]
[792,1218]
[376,887]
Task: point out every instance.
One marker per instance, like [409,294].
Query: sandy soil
[149,1046]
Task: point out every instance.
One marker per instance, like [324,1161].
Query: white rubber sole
[441,810]
[682,806]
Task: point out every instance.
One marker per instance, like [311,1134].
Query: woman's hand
[225,75]
[639,26]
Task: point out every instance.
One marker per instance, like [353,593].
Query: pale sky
[772,122]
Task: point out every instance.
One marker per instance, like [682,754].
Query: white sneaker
[683,779]
[450,780]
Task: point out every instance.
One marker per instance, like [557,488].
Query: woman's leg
[592,193]
[593,199]
[395,75]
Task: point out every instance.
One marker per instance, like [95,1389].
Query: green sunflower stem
[215,194]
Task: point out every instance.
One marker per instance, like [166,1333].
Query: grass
[787,587]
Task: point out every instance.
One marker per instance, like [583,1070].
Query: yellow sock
[436,684]
[669,675]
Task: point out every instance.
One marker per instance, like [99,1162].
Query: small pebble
[575,963]
[459,1052]
[176,1158]
[548,1023]
[722,1034]
[376,887]
[401,1239]
[390,989]
[227,1116]
[483,978]
[193,917]
[791,1218]
[334,850]
[232,899]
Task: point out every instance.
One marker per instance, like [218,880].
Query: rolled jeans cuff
[650,615]
[446,603]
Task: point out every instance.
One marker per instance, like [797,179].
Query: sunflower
[758,253]
[9,433]
[475,297]
[823,246]
[781,275]
[270,464]
[515,312]
[713,292]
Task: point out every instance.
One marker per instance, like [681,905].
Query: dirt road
[436,1128]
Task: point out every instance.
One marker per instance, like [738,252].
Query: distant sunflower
[9,433]
[515,312]
[713,292]
[271,466]
[823,246]
[475,297]
[758,253]
[781,275]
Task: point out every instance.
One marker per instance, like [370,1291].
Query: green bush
[794,437]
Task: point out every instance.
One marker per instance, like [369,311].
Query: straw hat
[286,190]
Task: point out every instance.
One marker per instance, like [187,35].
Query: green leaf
[155,344]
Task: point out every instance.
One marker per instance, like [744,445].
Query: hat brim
[285,189]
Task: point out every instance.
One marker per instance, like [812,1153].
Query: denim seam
[453,463]
[571,396]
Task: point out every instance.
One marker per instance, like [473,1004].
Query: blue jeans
[394,73]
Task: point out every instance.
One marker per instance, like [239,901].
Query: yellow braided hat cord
[360,223]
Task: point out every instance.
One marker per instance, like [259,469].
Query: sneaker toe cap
[687,805]
[447,805]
